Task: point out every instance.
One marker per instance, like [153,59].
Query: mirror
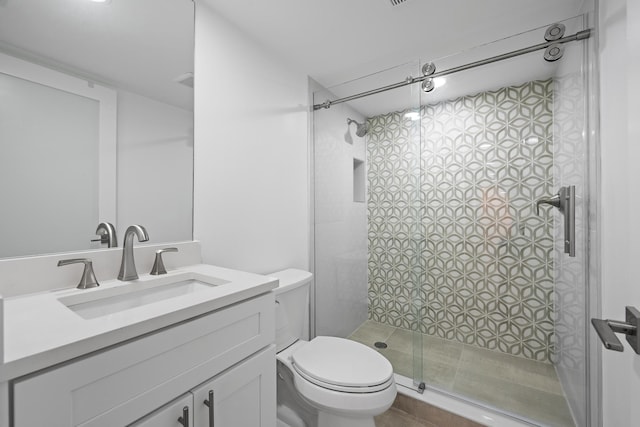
[96,122]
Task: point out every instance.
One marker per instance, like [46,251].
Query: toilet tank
[292,306]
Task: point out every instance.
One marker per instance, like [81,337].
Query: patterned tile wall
[485,257]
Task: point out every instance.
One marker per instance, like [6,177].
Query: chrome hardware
[184,419]
[421,387]
[428,69]
[158,264]
[428,85]
[607,330]
[209,403]
[554,32]
[108,235]
[88,279]
[580,35]
[553,201]
[584,34]
[565,201]
[553,52]
[128,265]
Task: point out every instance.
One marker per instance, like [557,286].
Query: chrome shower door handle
[565,201]
[553,201]
[569,220]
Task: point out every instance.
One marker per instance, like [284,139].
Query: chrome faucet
[128,265]
[107,233]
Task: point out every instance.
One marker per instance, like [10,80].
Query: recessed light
[101,1]
[412,115]
[439,81]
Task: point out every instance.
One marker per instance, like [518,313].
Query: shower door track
[580,35]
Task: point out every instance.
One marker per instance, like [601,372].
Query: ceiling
[144,45]
[339,40]
[138,45]
[496,75]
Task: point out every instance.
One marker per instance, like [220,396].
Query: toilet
[327,381]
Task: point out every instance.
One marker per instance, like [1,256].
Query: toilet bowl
[327,381]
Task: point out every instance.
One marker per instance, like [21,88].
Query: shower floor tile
[523,387]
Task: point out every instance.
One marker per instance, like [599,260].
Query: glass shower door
[367,206]
[506,304]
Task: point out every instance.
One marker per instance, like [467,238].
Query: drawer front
[122,384]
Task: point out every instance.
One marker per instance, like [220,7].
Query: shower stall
[437,239]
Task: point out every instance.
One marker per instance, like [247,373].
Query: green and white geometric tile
[455,247]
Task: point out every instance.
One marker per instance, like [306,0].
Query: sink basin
[113,300]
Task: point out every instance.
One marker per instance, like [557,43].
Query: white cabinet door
[123,383]
[244,395]
[175,414]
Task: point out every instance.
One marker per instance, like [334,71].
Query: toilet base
[326,419]
[317,406]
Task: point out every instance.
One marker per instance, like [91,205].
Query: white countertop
[40,331]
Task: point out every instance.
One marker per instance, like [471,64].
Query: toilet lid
[341,362]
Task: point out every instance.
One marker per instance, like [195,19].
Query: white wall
[155,168]
[251,175]
[619,68]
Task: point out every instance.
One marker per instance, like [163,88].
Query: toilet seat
[342,365]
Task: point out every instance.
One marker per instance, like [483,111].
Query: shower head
[362,128]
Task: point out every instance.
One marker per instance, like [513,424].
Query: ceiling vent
[397,2]
[185,79]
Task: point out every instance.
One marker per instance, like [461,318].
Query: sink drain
[380,344]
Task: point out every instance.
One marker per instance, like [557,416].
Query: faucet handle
[88,279]
[158,264]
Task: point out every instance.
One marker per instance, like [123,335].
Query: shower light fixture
[101,1]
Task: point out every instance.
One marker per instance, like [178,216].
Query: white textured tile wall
[340,223]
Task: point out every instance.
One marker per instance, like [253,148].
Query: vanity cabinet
[241,396]
[229,351]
